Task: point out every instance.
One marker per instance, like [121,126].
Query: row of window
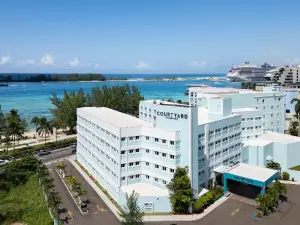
[157,153]
[100,140]
[138,163]
[104,155]
[263,101]
[138,176]
[147,138]
[225,150]
[107,133]
[108,170]
[251,128]
[248,119]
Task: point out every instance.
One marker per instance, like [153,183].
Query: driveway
[99,213]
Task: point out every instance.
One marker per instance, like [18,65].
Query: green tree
[35,121]
[62,168]
[297,111]
[181,192]
[280,187]
[133,214]
[273,165]
[57,126]
[16,126]
[44,128]
[2,125]
[293,129]
[262,201]
[65,111]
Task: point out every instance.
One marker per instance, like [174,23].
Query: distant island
[52,77]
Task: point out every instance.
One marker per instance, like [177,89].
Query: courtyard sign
[172,116]
[243,180]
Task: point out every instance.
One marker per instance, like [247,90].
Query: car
[3,162]
[44,152]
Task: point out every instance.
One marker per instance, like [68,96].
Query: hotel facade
[126,153]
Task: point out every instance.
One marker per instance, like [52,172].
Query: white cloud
[5,60]
[73,62]
[27,62]
[197,64]
[97,65]
[142,65]
[47,59]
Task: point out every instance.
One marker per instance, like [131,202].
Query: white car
[3,162]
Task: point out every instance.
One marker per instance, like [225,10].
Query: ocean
[32,99]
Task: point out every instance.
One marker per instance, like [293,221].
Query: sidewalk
[154,218]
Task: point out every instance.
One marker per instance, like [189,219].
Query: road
[56,155]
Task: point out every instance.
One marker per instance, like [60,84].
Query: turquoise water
[32,99]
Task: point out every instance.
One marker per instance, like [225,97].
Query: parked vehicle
[73,148]
[3,162]
[44,152]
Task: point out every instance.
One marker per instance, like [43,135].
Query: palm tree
[262,202]
[297,111]
[80,192]
[54,200]
[273,165]
[44,128]
[62,168]
[281,188]
[72,181]
[16,125]
[35,120]
[57,126]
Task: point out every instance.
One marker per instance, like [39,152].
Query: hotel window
[122,152]
[137,137]
[137,150]
[171,142]
[164,168]
[131,164]
[172,156]
[130,138]
[156,166]
[164,155]
[131,177]
[147,151]
[156,153]
[137,176]
[137,163]
[263,101]
[164,141]
[156,179]
[122,165]
[147,138]
[122,178]
[147,177]
[156,139]
[165,182]
[271,107]
[147,163]
[130,151]
[172,170]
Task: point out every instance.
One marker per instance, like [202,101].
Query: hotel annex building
[125,153]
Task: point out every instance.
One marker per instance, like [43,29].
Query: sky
[146,36]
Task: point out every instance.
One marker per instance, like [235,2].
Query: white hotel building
[125,153]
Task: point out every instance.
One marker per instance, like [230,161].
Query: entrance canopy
[249,174]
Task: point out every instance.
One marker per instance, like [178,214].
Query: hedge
[207,199]
[285,176]
[20,152]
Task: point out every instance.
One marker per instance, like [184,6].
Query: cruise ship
[249,72]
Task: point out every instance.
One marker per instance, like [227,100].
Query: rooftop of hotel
[244,110]
[280,138]
[144,189]
[161,102]
[251,172]
[114,117]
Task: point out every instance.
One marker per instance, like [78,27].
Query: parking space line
[100,209]
[235,212]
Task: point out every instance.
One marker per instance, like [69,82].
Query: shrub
[285,176]
[198,205]
[210,197]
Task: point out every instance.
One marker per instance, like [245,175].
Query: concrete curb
[83,213]
[193,217]
[110,205]
[289,182]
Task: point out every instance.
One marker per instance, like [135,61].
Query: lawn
[29,203]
